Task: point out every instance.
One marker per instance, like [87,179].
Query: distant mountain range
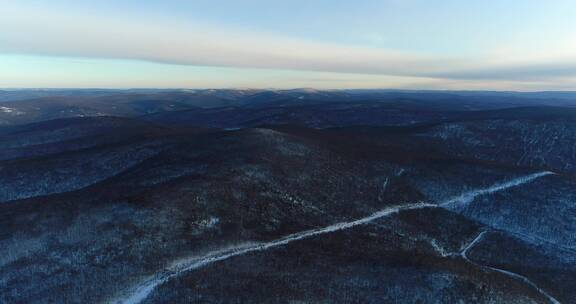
[26,106]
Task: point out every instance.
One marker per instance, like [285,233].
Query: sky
[519,45]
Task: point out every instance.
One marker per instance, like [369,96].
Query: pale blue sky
[443,44]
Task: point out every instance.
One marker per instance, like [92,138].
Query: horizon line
[278,89]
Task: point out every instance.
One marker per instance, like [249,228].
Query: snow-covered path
[525,280]
[144,289]
[468,197]
[470,245]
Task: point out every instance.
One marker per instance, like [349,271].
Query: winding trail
[518,277]
[476,240]
[140,292]
[470,196]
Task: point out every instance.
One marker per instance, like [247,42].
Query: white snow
[10,110]
[469,197]
[384,188]
[145,289]
[473,243]
[209,223]
[439,249]
[385,185]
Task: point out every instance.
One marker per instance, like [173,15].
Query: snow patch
[209,223]
[10,111]
[470,196]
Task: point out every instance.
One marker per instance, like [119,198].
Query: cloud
[55,33]
[51,33]
[529,71]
